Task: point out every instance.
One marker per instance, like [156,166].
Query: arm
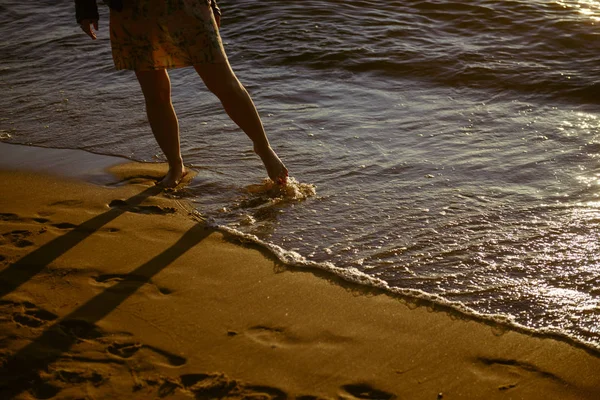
[86,9]
[215,8]
[86,13]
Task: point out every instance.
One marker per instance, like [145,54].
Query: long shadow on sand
[33,263]
[21,371]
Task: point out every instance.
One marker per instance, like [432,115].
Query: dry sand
[117,293]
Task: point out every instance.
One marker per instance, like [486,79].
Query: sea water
[445,149]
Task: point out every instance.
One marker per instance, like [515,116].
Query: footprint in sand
[80,329]
[123,205]
[79,376]
[17,238]
[67,226]
[27,314]
[279,337]
[123,282]
[8,217]
[42,390]
[129,349]
[364,391]
[309,397]
[124,350]
[68,203]
[511,372]
[268,392]
[64,225]
[111,279]
[269,336]
[211,386]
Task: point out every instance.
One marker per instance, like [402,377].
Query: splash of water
[291,191]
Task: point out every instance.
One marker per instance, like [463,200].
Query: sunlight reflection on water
[454,152]
[588,8]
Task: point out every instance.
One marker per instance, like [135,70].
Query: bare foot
[173,177]
[274,166]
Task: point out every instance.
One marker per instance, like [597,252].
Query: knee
[158,94]
[226,88]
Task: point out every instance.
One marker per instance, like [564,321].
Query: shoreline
[102,169]
[408,296]
[117,293]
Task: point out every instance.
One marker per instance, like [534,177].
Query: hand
[86,26]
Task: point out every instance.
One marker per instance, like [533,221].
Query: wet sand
[118,292]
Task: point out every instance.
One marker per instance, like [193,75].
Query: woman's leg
[221,80]
[156,87]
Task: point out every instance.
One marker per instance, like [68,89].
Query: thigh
[217,77]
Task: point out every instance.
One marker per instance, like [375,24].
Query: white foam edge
[293,259]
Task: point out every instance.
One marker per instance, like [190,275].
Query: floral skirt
[158,34]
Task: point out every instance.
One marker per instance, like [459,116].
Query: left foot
[274,166]
[173,177]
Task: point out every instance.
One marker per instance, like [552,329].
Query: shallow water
[454,146]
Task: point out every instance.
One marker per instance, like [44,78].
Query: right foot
[274,166]
[173,177]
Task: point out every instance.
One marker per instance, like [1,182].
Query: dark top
[88,9]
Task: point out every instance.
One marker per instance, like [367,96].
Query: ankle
[177,165]
[262,150]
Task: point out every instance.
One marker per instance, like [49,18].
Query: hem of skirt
[160,67]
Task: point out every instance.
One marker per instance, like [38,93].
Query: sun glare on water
[588,8]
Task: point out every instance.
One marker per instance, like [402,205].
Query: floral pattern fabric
[158,34]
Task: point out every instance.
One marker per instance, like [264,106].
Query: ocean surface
[443,149]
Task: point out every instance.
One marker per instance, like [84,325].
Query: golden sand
[117,293]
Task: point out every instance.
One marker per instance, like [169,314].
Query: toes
[171,180]
[282,179]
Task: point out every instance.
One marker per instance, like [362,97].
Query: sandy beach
[118,292]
